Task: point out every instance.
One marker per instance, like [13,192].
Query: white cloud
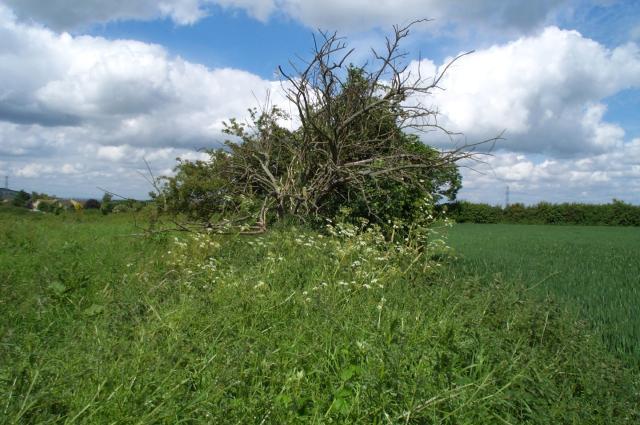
[79,170]
[78,112]
[531,179]
[347,15]
[33,169]
[71,169]
[116,92]
[363,14]
[132,155]
[546,91]
[112,153]
[70,14]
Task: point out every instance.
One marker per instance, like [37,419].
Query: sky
[91,89]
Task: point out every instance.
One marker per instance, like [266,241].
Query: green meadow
[527,324]
[592,270]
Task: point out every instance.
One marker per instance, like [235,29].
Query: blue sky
[223,39]
[88,89]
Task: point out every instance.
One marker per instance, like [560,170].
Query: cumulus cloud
[363,14]
[547,91]
[77,112]
[532,178]
[78,170]
[126,154]
[70,14]
[332,14]
[115,92]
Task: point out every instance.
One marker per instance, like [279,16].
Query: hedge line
[617,213]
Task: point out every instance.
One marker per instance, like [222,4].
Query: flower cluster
[347,260]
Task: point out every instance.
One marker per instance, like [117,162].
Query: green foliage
[21,199]
[191,191]
[106,206]
[267,165]
[203,190]
[36,195]
[92,204]
[52,206]
[294,326]
[617,213]
[127,206]
[386,200]
[467,212]
[591,270]
[7,208]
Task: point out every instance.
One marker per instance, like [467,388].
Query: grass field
[290,327]
[593,270]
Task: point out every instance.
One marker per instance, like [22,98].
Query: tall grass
[288,327]
[594,270]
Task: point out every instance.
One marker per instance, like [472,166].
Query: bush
[356,149]
[21,199]
[617,213]
[92,204]
[106,206]
[50,206]
[467,212]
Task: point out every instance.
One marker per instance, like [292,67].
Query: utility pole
[506,197]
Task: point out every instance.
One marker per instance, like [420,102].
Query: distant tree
[36,195]
[92,204]
[106,206]
[50,206]
[21,199]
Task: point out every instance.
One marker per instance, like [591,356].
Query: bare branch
[359,128]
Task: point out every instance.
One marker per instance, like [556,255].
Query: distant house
[7,193]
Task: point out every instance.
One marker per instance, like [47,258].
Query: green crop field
[295,326]
[594,271]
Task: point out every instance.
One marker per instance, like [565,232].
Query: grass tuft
[288,327]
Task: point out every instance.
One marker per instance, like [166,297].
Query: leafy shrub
[356,147]
[467,212]
[106,205]
[617,213]
[50,206]
[92,204]
[21,199]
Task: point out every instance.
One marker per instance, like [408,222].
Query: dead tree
[353,123]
